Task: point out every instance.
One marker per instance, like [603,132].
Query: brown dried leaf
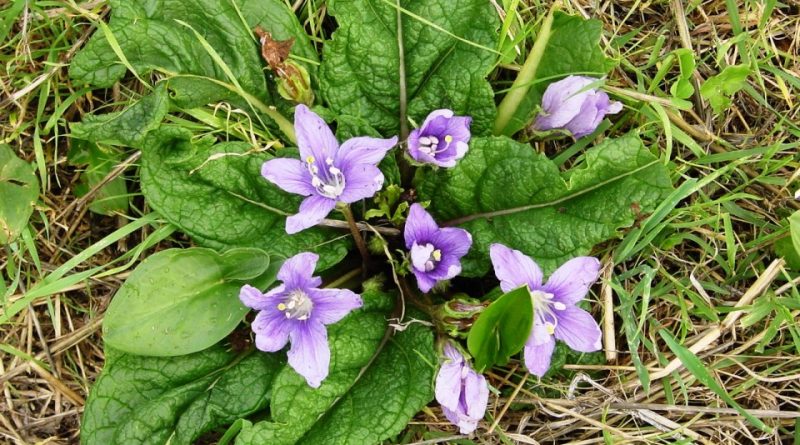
[275,52]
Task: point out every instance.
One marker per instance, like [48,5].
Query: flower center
[544,309]
[297,306]
[430,144]
[425,257]
[328,181]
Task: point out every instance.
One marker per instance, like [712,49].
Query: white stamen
[544,309]
[297,306]
[328,185]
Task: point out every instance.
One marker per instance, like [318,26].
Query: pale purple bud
[571,105]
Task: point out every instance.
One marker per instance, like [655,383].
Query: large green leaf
[160,400]
[504,192]
[350,408]
[446,60]
[151,38]
[180,301]
[573,48]
[129,126]
[502,329]
[19,190]
[216,194]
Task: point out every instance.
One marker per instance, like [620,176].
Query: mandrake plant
[381,236]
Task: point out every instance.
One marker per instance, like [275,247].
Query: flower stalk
[510,103]
[359,239]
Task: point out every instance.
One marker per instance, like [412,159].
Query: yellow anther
[281,307]
[310,159]
[550,328]
[437,255]
[448,139]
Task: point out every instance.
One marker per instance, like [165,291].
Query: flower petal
[361,181]
[452,241]
[255,299]
[458,128]
[570,283]
[452,354]
[331,305]
[312,210]
[448,268]
[578,329]
[421,254]
[465,424]
[514,269]
[590,116]
[310,354]
[314,137]
[538,355]
[476,394]
[424,282]
[297,272]
[420,226]
[448,385]
[272,330]
[562,101]
[363,150]
[290,175]
[434,116]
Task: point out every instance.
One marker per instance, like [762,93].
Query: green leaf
[794,229]
[501,329]
[696,367]
[504,192]
[19,190]
[682,88]
[180,301]
[717,90]
[216,194]
[129,126]
[395,386]
[112,197]
[446,60]
[573,48]
[149,36]
[160,400]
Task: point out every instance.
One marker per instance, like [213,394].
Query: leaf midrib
[568,197]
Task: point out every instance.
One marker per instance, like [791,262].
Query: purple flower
[569,104]
[462,392]
[555,313]
[442,139]
[297,312]
[435,252]
[326,173]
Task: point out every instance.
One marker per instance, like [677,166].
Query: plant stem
[351,222]
[519,89]
[402,75]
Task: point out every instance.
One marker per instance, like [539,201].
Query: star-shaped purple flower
[441,140]
[571,105]
[462,392]
[297,312]
[555,314]
[326,173]
[435,253]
